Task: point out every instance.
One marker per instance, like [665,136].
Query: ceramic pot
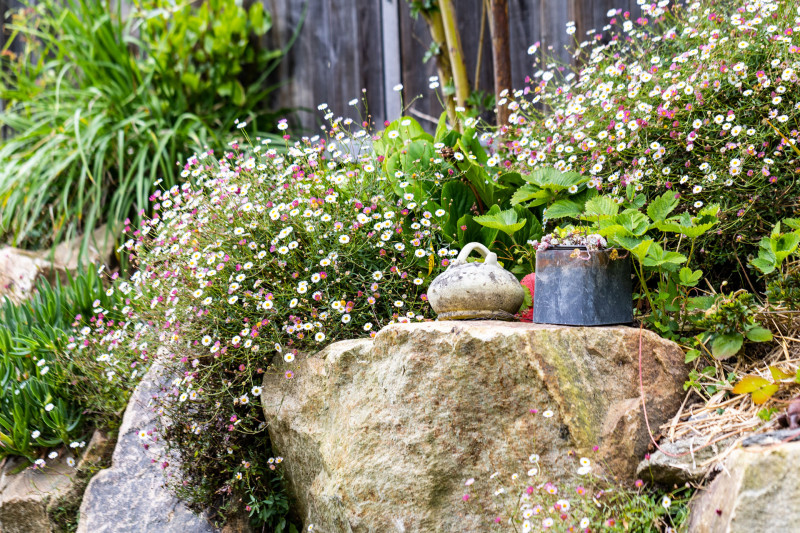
[476,290]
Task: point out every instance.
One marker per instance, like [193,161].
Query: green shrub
[46,398]
[452,175]
[98,114]
[700,99]
[269,258]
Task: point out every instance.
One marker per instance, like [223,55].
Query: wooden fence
[345,46]
[349,45]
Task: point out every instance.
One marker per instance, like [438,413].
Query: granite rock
[130,497]
[757,490]
[379,435]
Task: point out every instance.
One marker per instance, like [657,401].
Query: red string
[644,410]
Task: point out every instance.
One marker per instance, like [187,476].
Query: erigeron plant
[700,98]
[570,237]
[269,257]
[531,500]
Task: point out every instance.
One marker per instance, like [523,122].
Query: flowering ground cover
[675,139]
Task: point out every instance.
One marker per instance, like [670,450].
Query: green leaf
[600,207]
[457,200]
[726,345]
[635,245]
[554,180]
[562,209]
[470,231]
[505,221]
[531,192]
[689,277]
[785,245]
[441,128]
[532,229]
[634,222]
[691,355]
[793,223]
[660,208]
[657,257]
[766,267]
[759,335]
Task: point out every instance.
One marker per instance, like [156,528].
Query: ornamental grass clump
[269,257]
[68,361]
[699,98]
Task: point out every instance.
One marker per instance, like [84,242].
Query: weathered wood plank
[414,42]
[392,58]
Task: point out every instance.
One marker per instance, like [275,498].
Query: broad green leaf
[600,206]
[457,200]
[470,231]
[657,257]
[531,192]
[470,144]
[554,179]
[563,208]
[633,221]
[660,208]
[726,345]
[766,267]
[785,245]
[511,179]
[793,223]
[478,177]
[441,128]
[759,335]
[505,221]
[532,228]
[690,277]
[636,245]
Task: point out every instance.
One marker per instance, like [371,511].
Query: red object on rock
[529,282]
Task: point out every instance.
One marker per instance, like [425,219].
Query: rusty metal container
[580,287]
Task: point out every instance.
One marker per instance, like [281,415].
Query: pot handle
[490,257]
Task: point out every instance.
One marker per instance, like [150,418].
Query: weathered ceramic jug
[476,290]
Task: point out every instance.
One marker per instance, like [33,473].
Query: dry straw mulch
[722,421]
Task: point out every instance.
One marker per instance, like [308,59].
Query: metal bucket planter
[578,287]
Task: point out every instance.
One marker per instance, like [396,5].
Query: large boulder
[130,496]
[21,269]
[27,495]
[757,490]
[379,435]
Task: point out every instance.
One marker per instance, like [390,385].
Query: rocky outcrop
[27,494]
[34,498]
[20,269]
[379,435]
[130,496]
[690,460]
[757,490]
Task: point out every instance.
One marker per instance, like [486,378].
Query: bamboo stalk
[454,50]
[436,27]
[501,56]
